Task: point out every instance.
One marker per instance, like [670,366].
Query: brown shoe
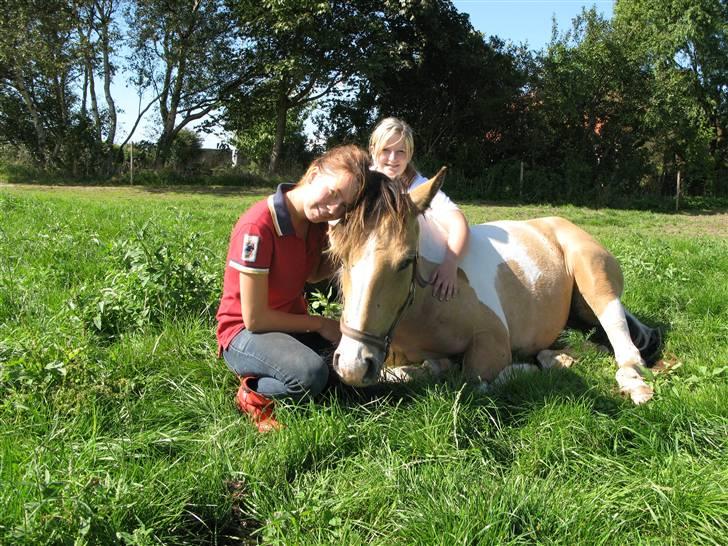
[256,406]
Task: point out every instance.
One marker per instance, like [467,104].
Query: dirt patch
[701,223]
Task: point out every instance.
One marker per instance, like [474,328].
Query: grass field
[117,423]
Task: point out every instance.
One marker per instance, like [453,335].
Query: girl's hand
[445,280]
[329,330]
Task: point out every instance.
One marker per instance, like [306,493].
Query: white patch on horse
[481,263]
[517,251]
[614,323]
[360,276]
[494,244]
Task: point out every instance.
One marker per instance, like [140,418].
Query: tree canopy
[609,107]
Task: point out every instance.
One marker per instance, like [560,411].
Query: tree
[307,50]
[45,50]
[192,56]
[185,148]
[255,131]
[98,35]
[459,91]
[684,46]
[37,68]
[585,111]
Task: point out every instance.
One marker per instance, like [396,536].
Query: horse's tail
[647,340]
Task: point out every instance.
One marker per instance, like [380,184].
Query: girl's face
[392,160]
[328,196]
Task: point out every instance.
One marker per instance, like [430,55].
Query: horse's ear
[422,195]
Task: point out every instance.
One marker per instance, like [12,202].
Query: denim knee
[289,367]
[315,377]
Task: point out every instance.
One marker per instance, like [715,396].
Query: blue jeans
[285,365]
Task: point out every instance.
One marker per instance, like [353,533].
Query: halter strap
[383,342]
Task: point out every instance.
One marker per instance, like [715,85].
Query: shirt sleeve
[442,203]
[251,249]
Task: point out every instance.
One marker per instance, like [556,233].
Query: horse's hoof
[641,395]
[405,374]
[437,366]
[630,382]
[554,359]
[514,370]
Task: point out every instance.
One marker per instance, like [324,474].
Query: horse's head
[377,246]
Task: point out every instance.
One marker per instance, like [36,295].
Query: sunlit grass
[129,435]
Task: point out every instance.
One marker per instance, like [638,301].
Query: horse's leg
[647,340]
[438,366]
[488,354]
[599,282]
[429,369]
[554,359]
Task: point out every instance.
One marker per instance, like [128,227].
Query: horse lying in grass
[519,283]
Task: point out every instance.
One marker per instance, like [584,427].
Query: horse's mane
[383,208]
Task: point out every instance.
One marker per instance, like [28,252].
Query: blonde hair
[349,159]
[386,129]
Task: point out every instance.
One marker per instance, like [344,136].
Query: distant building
[211,158]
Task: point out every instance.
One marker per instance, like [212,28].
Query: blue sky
[520,21]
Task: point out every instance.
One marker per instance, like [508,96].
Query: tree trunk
[281,114]
[164,146]
[40,133]
[94,104]
[169,115]
[84,92]
[110,154]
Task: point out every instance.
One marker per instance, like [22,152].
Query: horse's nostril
[372,373]
[335,362]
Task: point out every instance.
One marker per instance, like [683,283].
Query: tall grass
[117,423]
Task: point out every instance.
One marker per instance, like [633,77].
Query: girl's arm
[444,278]
[258,317]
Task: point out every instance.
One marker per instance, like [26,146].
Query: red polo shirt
[263,242]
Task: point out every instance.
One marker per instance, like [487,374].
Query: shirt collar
[279,211]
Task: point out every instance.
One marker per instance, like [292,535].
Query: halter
[383,342]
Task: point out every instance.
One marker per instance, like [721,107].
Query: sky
[526,21]
[518,21]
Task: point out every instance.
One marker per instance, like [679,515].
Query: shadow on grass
[524,393]
[483,414]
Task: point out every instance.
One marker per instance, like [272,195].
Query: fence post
[677,193]
[520,183]
[131,164]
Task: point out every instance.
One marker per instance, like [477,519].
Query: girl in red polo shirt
[264,331]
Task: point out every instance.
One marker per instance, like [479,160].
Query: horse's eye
[404,264]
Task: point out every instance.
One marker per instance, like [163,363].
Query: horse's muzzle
[357,364]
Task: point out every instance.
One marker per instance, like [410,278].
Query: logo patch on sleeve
[250,247]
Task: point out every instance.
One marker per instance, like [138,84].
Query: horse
[519,283]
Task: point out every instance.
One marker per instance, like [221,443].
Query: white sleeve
[442,203]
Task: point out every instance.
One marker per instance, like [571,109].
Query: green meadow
[117,421]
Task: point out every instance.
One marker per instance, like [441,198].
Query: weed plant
[117,424]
